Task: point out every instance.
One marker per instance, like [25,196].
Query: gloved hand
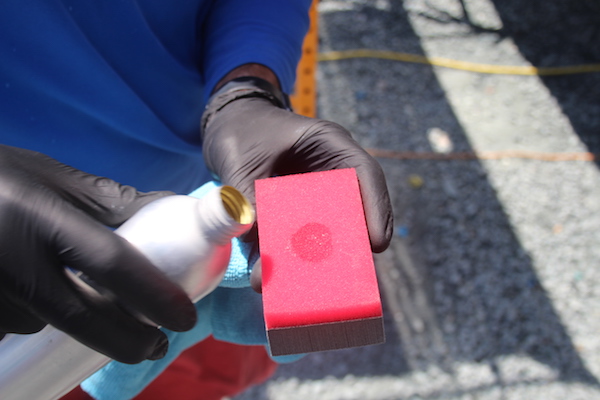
[247,134]
[52,216]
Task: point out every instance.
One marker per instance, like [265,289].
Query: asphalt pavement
[491,287]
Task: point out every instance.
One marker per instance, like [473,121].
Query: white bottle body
[188,239]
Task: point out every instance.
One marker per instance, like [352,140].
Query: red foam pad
[319,285]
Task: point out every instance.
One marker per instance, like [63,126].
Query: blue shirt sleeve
[267,32]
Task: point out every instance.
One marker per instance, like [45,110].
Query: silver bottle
[189,239]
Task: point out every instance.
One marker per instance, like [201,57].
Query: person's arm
[267,33]
[248,132]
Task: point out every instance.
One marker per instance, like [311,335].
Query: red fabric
[210,370]
[77,394]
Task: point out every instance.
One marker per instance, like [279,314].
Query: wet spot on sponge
[312,242]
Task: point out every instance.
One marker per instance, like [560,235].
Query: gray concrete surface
[491,285]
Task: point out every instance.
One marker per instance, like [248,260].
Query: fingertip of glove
[256,277]
[381,243]
[160,349]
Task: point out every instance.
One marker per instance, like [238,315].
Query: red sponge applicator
[319,285]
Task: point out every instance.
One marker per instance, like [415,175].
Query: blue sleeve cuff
[269,32]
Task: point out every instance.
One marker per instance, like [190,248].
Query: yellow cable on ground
[456,64]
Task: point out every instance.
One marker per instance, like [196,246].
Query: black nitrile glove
[52,216]
[247,134]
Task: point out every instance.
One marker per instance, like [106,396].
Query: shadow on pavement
[555,33]
[552,33]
